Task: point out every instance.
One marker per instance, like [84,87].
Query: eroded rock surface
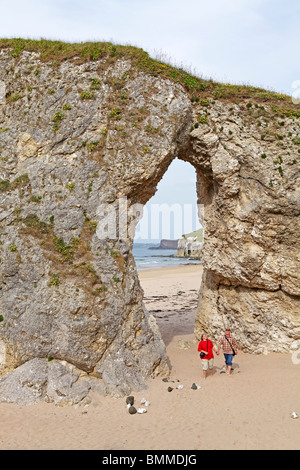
[249,183]
[77,138]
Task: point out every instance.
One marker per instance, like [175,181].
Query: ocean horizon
[150,256]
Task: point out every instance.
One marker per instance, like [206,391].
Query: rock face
[166,245]
[249,185]
[82,146]
[190,245]
[54,382]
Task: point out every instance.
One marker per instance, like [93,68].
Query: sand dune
[250,410]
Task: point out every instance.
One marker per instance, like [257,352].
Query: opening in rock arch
[167,251]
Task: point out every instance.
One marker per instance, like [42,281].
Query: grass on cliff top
[58,51]
[198,234]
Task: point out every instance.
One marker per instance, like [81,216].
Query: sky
[253,42]
[173,210]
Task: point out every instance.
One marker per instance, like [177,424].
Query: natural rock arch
[81,137]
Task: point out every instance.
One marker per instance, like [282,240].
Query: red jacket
[206,346]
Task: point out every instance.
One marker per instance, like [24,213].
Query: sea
[149,256]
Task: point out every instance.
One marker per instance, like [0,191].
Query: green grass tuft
[55,52]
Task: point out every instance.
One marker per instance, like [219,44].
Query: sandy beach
[247,411]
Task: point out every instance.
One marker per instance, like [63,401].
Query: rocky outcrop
[71,143]
[248,181]
[82,145]
[190,245]
[51,381]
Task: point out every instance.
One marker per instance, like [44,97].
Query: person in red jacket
[206,349]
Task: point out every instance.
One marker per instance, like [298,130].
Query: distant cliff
[166,245]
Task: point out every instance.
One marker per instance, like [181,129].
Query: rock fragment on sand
[294,415]
[132,410]
[195,386]
[170,389]
[141,410]
[130,400]
[145,402]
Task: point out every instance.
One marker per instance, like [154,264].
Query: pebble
[130,400]
[132,410]
[141,410]
[294,415]
[145,402]
[195,386]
